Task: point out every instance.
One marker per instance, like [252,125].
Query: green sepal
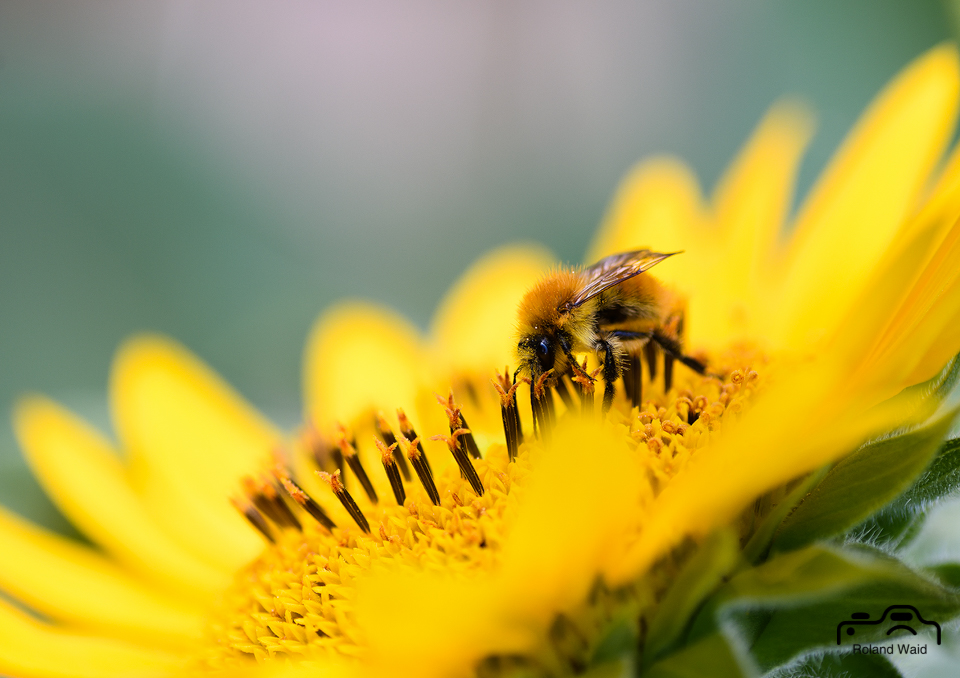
[862,483]
[897,523]
[792,604]
[846,665]
[715,558]
[941,479]
[947,573]
[710,656]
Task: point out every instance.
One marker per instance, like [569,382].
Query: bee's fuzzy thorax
[540,307]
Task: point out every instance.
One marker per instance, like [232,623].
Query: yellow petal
[753,197]
[571,525]
[922,351]
[801,423]
[475,326]
[190,438]
[861,200]
[85,478]
[658,205]
[751,203]
[573,519]
[359,359]
[926,309]
[72,583]
[31,649]
[931,361]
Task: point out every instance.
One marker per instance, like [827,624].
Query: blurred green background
[222,171]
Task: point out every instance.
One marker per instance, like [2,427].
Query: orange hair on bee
[540,306]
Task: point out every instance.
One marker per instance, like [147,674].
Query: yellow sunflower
[416,524]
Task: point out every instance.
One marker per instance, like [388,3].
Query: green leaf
[759,543]
[861,483]
[618,642]
[622,668]
[716,558]
[792,604]
[846,665]
[710,656]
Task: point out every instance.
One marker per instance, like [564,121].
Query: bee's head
[537,353]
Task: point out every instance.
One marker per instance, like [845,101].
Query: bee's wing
[613,270]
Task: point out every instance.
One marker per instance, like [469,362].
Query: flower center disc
[298,598]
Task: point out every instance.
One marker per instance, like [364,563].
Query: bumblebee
[612,309]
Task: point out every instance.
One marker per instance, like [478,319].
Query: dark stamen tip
[390,466]
[508,411]
[386,434]
[349,451]
[253,516]
[406,428]
[458,450]
[417,458]
[348,503]
[303,499]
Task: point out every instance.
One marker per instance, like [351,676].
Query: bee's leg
[674,351]
[650,353]
[565,345]
[667,371]
[633,374]
[611,372]
[633,378]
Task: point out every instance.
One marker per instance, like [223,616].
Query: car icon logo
[899,617]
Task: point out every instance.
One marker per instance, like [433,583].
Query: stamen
[303,499]
[587,386]
[684,407]
[542,404]
[348,503]
[458,421]
[324,454]
[508,411]
[390,466]
[667,371]
[265,497]
[523,380]
[386,434]
[419,461]
[406,428]
[564,392]
[549,381]
[253,517]
[699,405]
[468,438]
[349,452]
[458,449]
